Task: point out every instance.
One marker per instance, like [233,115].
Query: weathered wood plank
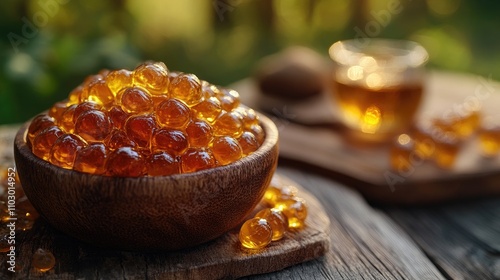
[462,239]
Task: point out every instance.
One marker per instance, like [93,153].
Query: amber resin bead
[171,140]
[125,162]
[93,125]
[228,124]
[172,113]
[209,109]
[195,159]
[117,117]
[276,219]
[249,117]
[186,87]
[199,133]
[257,132]
[229,99]
[255,233]
[91,159]
[84,107]
[44,140]
[74,95]
[226,150]
[43,260]
[295,210]
[153,77]
[401,153]
[64,150]
[38,124]
[136,100]
[163,164]
[140,129]
[98,92]
[118,79]
[248,143]
[118,138]
[57,109]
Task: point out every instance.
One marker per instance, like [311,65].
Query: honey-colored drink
[378,111]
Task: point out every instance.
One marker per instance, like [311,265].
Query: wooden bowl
[148,213]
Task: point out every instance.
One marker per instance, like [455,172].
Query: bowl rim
[270,141]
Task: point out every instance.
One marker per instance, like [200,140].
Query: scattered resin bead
[163,164]
[447,149]
[91,159]
[43,260]
[38,124]
[248,143]
[170,140]
[93,125]
[118,79]
[424,142]
[117,117]
[227,124]
[195,159]
[152,76]
[489,138]
[125,162]
[136,100]
[401,153]
[140,129]
[277,221]
[186,87]
[295,210]
[43,142]
[172,113]
[64,150]
[199,133]
[209,109]
[226,150]
[255,233]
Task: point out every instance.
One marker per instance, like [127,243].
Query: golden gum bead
[229,99]
[447,149]
[295,210]
[118,79]
[91,159]
[226,150]
[163,164]
[100,93]
[117,117]
[136,100]
[195,159]
[57,110]
[271,195]
[208,90]
[140,129]
[249,117]
[125,162]
[186,87]
[38,124]
[93,125]
[489,137]
[172,113]
[248,143]
[74,95]
[117,139]
[44,140]
[276,219]
[401,153]
[170,140]
[255,233]
[227,124]
[199,133]
[43,260]
[209,109]
[152,76]
[84,107]
[64,150]
[258,133]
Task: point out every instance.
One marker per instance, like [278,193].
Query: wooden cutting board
[311,137]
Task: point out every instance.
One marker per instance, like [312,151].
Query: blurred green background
[49,46]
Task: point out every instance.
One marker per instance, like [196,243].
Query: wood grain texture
[310,132]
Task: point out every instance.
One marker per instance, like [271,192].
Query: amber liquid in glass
[382,111]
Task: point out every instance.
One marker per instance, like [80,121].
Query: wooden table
[450,241]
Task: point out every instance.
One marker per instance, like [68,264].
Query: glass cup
[378,84]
